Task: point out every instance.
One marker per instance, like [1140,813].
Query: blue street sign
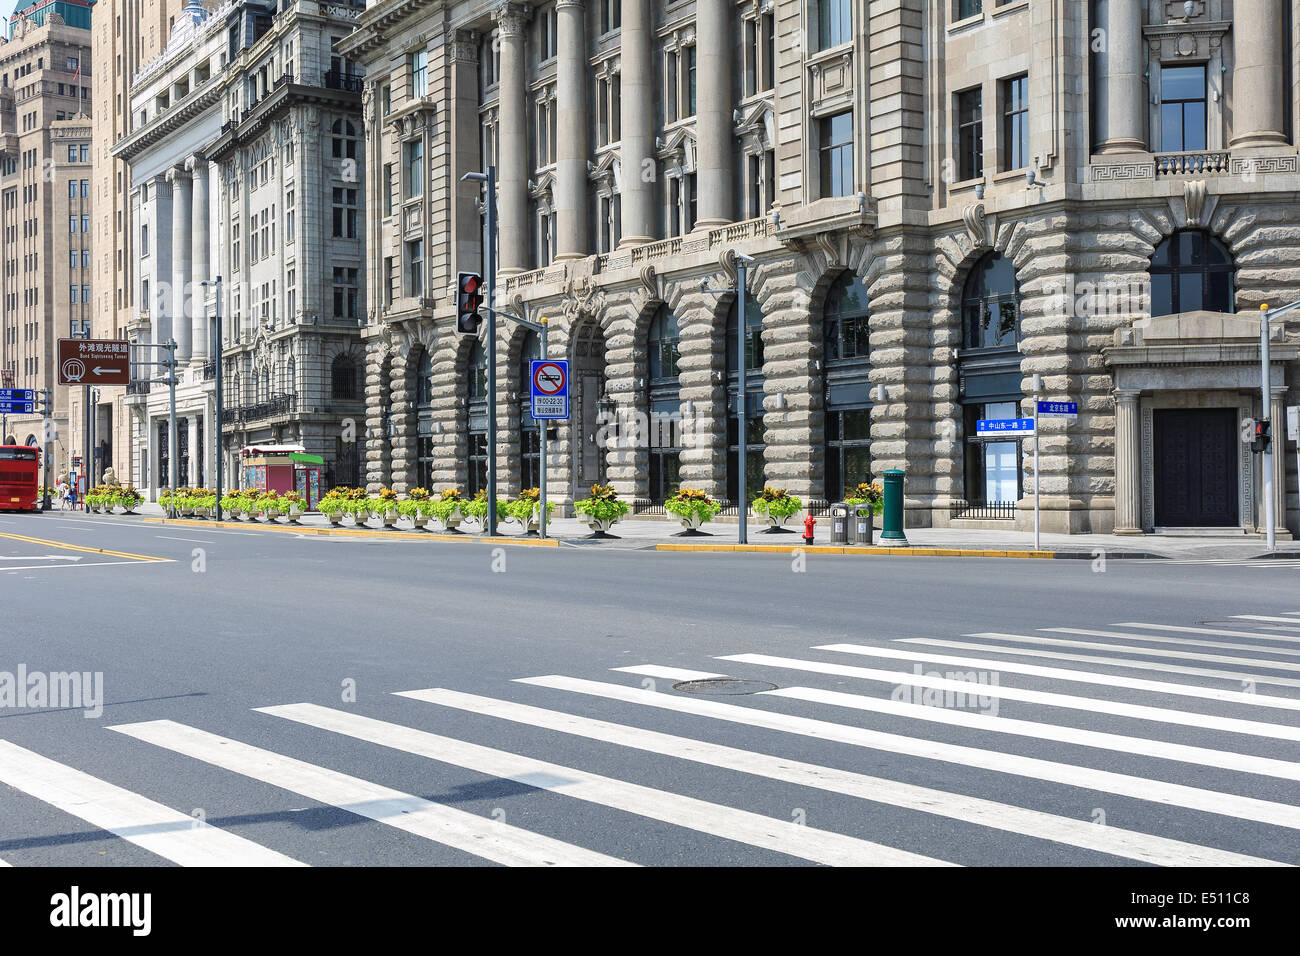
[1004,427]
[17,401]
[549,388]
[1058,409]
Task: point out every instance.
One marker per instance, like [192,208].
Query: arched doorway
[530,435]
[846,380]
[663,405]
[989,368]
[755,434]
[587,381]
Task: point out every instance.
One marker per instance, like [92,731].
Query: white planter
[453,520]
[294,513]
[601,525]
[361,517]
[335,519]
[390,518]
[418,521]
[692,522]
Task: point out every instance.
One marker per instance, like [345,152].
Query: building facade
[45,206]
[245,165]
[126,35]
[943,198]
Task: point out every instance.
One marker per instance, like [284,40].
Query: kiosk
[282,468]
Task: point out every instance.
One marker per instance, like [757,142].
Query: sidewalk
[645,534]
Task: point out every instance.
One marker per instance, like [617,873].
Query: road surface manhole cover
[723,685]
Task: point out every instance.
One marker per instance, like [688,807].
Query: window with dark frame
[970,134]
[834,23]
[1192,270]
[835,149]
[1015,123]
[1182,108]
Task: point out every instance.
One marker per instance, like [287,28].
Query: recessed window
[1015,123]
[991,304]
[834,23]
[835,148]
[1182,108]
[970,134]
[1192,270]
[414,162]
[417,66]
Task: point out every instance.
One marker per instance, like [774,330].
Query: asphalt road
[528,744]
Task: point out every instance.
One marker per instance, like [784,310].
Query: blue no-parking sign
[549,388]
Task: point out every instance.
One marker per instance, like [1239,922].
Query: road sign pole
[742,506]
[543,425]
[85,466]
[1037,476]
[45,451]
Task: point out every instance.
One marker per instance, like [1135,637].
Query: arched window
[343,378]
[344,136]
[990,304]
[1192,270]
[530,435]
[755,440]
[663,401]
[846,346]
[476,392]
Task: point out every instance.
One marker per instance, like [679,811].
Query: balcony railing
[1212,163]
[138,387]
[209,371]
[260,411]
[984,510]
[337,80]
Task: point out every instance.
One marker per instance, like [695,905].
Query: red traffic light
[469,283]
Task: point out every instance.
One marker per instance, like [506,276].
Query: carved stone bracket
[976,222]
[1194,195]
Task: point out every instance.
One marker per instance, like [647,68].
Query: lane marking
[195,540]
[72,567]
[77,547]
[667,673]
[484,837]
[1078,677]
[781,836]
[39,557]
[1137,649]
[1156,850]
[1105,781]
[149,825]
[1163,668]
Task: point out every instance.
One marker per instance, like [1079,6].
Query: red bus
[20,478]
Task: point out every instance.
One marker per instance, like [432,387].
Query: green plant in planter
[385,503]
[333,504]
[165,498]
[444,506]
[602,504]
[291,500]
[233,502]
[270,503]
[409,507]
[523,508]
[477,508]
[692,504]
[777,503]
[866,493]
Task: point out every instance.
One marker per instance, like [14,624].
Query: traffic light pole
[489,179]
[46,400]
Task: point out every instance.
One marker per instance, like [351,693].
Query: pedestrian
[61,488]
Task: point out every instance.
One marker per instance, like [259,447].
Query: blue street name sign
[1058,409]
[1004,427]
[17,401]
[549,388]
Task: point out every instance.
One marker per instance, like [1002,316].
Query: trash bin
[860,525]
[839,523]
[892,516]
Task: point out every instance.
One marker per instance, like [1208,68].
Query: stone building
[246,164]
[45,203]
[943,198]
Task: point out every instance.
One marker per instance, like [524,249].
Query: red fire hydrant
[808,524]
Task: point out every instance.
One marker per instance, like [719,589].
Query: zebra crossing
[886,752]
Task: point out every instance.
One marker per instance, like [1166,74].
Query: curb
[908,551]
[411,535]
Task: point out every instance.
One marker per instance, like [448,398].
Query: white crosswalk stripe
[1144,651]
[1183,641]
[989,813]
[968,688]
[491,839]
[1074,676]
[807,843]
[1266,617]
[1238,676]
[1211,631]
[1105,781]
[152,826]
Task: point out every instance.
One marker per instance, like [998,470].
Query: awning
[272,449]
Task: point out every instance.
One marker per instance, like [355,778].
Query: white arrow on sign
[103,371]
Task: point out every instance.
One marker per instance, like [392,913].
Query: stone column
[198,167]
[636,148]
[1257,74]
[465,154]
[1121,99]
[512,133]
[1277,416]
[714,131]
[571,147]
[1128,463]
[181,239]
